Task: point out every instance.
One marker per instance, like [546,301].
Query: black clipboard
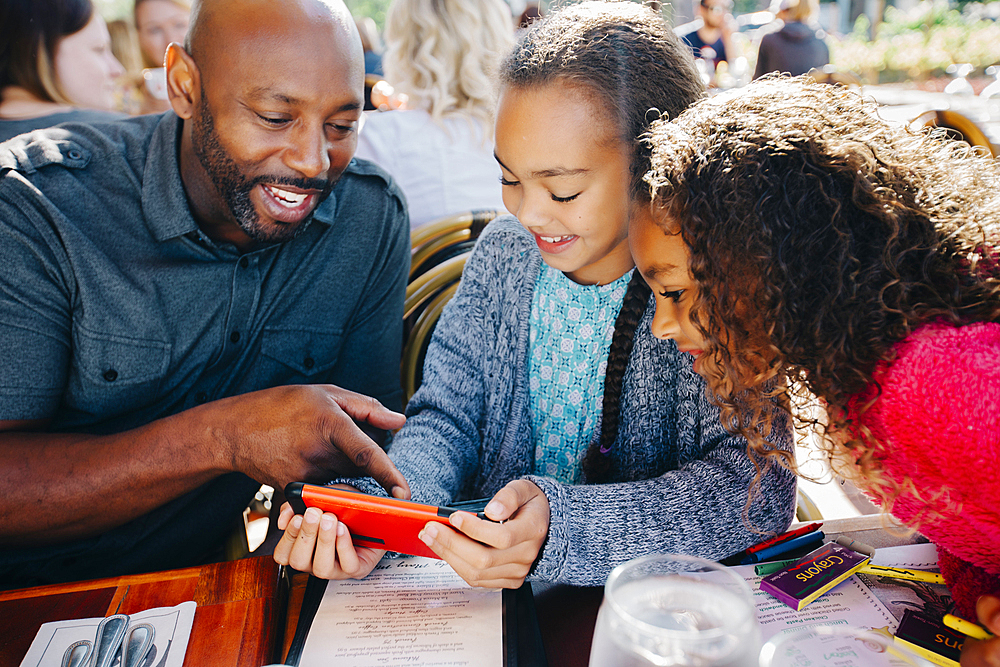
[522,638]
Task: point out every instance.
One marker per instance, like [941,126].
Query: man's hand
[319,544]
[305,433]
[984,653]
[495,555]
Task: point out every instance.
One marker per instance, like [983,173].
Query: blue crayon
[779,550]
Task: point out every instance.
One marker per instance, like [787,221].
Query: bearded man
[196,303]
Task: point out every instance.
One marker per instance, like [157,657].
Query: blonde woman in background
[441,54]
[125,47]
[157,24]
[797,46]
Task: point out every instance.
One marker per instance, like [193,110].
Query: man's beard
[234,186]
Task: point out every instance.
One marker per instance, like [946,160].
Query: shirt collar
[164,202]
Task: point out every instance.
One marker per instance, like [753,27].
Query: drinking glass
[670,609]
[836,646]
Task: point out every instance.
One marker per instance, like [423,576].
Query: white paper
[408,611]
[172,626]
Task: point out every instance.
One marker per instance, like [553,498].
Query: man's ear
[183,81]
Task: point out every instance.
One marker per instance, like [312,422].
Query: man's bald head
[271,92]
[215,23]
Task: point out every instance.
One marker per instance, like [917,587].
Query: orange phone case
[373,521]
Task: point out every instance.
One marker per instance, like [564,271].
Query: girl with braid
[871,257]
[542,368]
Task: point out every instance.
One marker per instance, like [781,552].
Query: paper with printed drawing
[171,625]
[862,601]
[408,611]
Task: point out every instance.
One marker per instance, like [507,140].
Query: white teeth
[290,199]
[553,239]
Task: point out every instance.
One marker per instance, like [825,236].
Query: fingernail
[312,515]
[341,529]
[495,509]
[296,522]
[326,523]
[424,537]
[456,519]
[399,492]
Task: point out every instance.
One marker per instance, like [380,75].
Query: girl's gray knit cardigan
[468,433]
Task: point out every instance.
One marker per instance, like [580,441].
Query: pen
[902,573]
[783,548]
[966,628]
[737,558]
[854,545]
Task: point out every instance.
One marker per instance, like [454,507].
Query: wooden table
[237,622]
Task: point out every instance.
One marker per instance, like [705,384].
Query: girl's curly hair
[820,236]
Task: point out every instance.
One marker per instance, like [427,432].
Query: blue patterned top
[570,334]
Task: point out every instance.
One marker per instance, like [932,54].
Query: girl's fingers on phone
[324,554]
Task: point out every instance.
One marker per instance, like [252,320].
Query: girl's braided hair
[820,236]
[634,67]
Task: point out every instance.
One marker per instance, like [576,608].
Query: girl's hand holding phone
[495,555]
[317,543]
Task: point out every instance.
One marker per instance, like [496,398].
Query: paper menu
[407,611]
[172,626]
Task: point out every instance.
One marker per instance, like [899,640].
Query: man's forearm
[59,486]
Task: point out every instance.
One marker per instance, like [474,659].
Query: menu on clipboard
[414,610]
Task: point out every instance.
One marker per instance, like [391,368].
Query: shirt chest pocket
[113,374]
[299,355]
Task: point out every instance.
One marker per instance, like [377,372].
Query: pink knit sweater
[939,419]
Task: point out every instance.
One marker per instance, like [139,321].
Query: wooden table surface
[236,624]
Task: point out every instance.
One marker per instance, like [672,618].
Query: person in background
[371,43]
[709,34]
[544,386]
[158,23]
[440,53]
[798,237]
[125,47]
[796,46]
[56,65]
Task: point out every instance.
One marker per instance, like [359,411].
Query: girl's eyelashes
[509,183]
[674,295]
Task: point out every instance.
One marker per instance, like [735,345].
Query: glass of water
[670,609]
[837,646]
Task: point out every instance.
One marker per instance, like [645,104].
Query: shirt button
[111,375]
[235,336]
[309,362]
[201,397]
[244,263]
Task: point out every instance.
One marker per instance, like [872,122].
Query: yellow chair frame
[426,285]
[957,121]
[416,345]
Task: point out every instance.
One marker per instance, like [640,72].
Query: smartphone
[376,521]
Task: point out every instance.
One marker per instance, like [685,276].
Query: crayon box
[812,575]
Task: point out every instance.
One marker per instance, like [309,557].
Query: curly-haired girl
[543,369]
[796,240]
